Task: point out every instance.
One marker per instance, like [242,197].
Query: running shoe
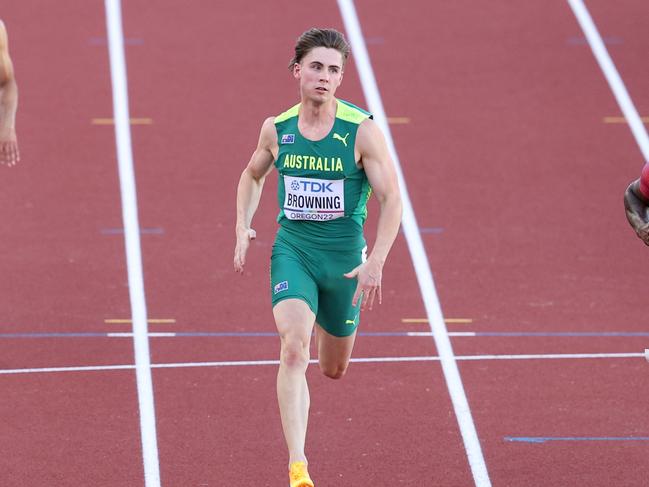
[298,475]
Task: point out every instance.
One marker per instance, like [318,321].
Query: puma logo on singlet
[341,138]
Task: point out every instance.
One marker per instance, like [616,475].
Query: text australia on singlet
[313,198]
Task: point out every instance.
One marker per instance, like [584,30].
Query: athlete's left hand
[368,275]
[244,236]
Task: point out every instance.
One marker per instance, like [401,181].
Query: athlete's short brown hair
[315,37]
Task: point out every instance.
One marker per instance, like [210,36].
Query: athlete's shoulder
[288,114]
[351,113]
[370,138]
[268,135]
[369,128]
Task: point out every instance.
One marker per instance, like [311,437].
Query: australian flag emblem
[279,287]
[288,138]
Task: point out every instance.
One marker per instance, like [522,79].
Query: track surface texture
[498,116]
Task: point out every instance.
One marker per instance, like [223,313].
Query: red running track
[506,151]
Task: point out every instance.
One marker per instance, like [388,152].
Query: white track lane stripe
[612,76]
[419,257]
[362,360]
[132,242]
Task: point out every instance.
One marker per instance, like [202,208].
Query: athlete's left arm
[379,167]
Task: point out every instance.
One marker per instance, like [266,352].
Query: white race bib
[313,199]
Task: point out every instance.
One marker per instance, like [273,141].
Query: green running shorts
[315,276]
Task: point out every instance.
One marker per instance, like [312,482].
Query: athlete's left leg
[334,352]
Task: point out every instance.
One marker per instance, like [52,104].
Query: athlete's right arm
[636,204]
[249,190]
[8,104]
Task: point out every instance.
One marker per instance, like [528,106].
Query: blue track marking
[375,40]
[428,230]
[53,335]
[582,41]
[252,334]
[563,334]
[545,439]
[102,41]
[143,231]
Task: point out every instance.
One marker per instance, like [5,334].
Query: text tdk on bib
[314,199]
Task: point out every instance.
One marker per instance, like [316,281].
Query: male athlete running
[330,156]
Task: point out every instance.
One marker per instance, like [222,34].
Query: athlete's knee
[294,353]
[334,371]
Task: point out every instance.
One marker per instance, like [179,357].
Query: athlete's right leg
[294,320]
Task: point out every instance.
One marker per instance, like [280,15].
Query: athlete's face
[320,73]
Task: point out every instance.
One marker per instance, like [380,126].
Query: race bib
[314,199]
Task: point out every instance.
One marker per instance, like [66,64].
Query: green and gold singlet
[322,196]
[322,192]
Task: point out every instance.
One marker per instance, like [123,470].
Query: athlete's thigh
[336,314]
[294,320]
[291,277]
[294,293]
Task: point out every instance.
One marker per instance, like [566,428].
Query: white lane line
[418,254]
[361,360]
[132,242]
[612,76]
[552,356]
[89,368]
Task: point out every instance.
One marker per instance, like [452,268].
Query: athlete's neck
[317,114]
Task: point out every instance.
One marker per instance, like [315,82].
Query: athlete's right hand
[9,154]
[244,236]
